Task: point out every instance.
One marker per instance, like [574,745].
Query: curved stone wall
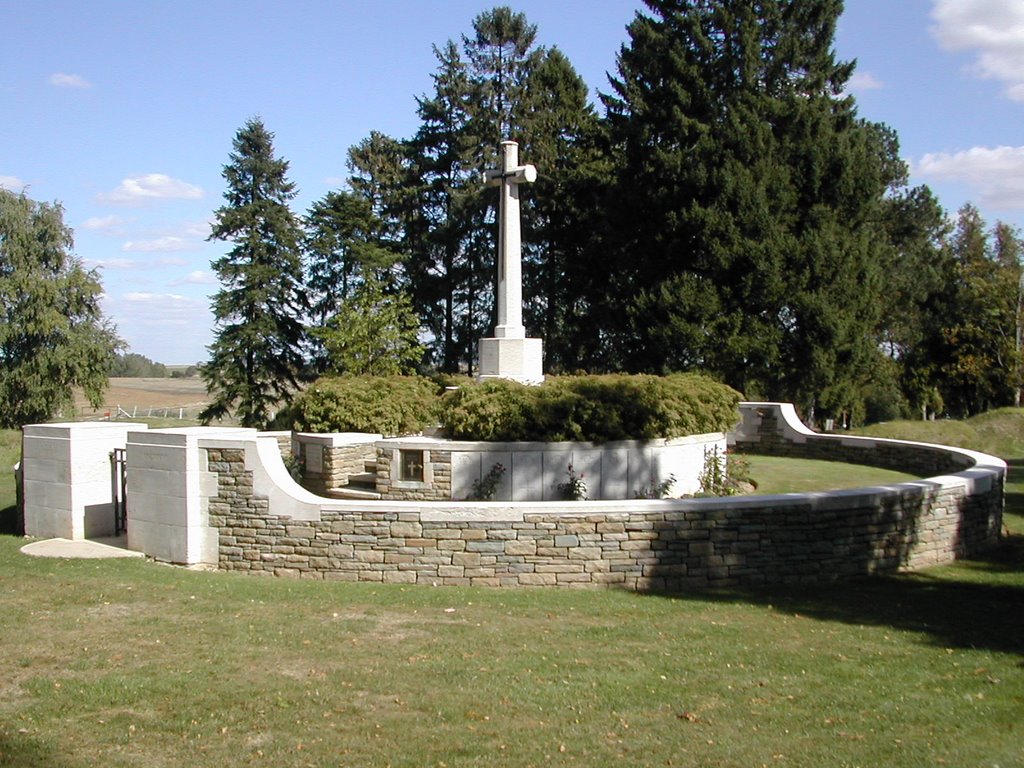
[223,497]
[265,525]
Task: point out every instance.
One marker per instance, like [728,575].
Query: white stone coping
[47,430]
[335,439]
[981,477]
[420,442]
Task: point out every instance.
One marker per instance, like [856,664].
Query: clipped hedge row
[389,405]
[590,408]
[565,408]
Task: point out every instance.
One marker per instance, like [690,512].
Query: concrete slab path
[83,548]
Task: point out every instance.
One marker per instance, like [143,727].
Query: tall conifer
[256,359]
[746,200]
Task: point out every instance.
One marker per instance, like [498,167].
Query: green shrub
[493,410]
[390,405]
[590,408]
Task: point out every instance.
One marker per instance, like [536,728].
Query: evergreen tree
[343,245]
[501,60]
[256,359]
[500,87]
[744,218]
[53,335]
[974,342]
[444,286]
[918,273]
[1009,249]
[374,333]
[558,134]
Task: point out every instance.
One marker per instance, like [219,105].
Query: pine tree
[444,286]
[501,59]
[256,359]
[743,218]
[496,85]
[53,335]
[558,131]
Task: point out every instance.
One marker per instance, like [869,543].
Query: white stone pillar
[66,476]
[168,517]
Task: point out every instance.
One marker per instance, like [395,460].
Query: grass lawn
[129,663]
[779,475]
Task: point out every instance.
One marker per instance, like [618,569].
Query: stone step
[364,479]
[352,494]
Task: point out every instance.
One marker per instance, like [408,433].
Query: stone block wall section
[328,461]
[267,527]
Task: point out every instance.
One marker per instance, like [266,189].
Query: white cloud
[864,81]
[198,277]
[104,222]
[160,244]
[12,183]
[146,297]
[152,186]
[995,174]
[171,261]
[168,326]
[198,228]
[111,263]
[63,80]
[993,29]
[158,311]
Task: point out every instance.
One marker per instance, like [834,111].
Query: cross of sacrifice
[509,354]
[510,269]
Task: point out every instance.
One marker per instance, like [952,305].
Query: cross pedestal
[509,354]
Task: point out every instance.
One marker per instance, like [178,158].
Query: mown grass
[782,475]
[129,663]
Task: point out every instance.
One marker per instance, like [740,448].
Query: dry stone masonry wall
[640,545]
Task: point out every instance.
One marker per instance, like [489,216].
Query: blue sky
[124,112]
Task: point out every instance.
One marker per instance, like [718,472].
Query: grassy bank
[129,663]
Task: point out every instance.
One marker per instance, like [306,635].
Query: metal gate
[118,478]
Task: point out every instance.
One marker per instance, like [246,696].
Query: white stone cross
[510,260]
[509,354]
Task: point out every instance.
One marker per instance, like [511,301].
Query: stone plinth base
[517,359]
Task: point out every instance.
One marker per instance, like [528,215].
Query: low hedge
[590,409]
[389,405]
[565,408]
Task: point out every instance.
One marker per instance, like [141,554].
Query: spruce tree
[561,264]
[444,286]
[744,214]
[256,359]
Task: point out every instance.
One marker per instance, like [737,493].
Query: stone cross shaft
[510,268]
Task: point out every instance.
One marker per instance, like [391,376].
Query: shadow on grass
[975,605]
[11,524]
[23,751]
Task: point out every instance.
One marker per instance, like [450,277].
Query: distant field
[139,396]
